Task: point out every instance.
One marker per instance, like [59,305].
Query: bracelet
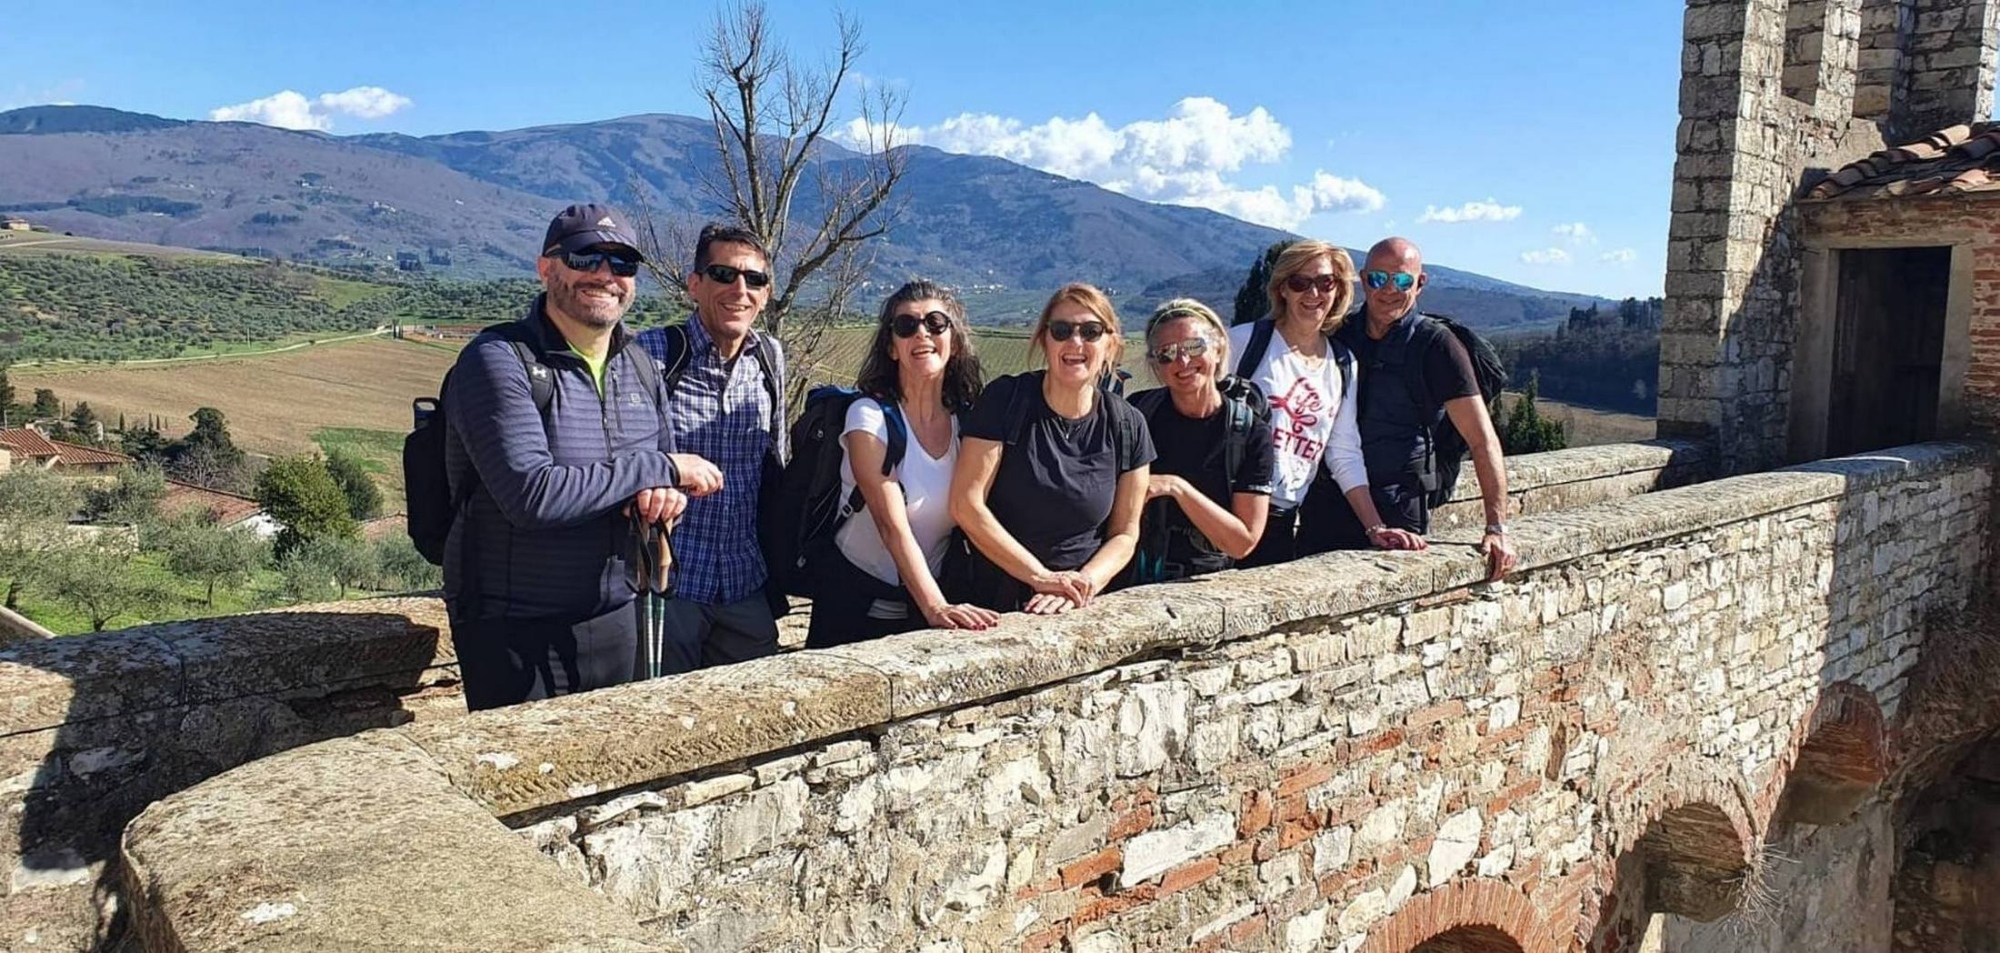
[1377,528]
[1496,529]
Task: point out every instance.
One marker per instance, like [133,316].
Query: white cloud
[1487,211]
[1546,256]
[1576,233]
[1353,195]
[289,109]
[1623,256]
[1188,158]
[364,102]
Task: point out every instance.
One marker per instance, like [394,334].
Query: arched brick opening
[1843,758]
[1470,916]
[1470,939]
[1696,862]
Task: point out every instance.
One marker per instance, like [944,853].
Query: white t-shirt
[926,484]
[1310,424]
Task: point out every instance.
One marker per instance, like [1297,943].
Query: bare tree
[772,115]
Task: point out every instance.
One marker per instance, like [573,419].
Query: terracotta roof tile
[1955,160]
[73,455]
[28,442]
[227,508]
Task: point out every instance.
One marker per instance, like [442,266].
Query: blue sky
[1532,141]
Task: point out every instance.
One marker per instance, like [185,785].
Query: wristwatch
[1496,529]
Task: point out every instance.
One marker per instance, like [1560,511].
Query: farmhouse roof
[1961,159]
[74,455]
[28,442]
[228,509]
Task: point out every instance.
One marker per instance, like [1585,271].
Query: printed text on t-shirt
[1301,405]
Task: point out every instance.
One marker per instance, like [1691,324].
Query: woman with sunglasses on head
[1054,468]
[1210,489]
[919,374]
[1310,380]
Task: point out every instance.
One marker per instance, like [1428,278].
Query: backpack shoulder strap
[648,371]
[765,352]
[1426,334]
[898,431]
[1147,402]
[1236,435]
[1344,358]
[541,380]
[1253,353]
[673,356]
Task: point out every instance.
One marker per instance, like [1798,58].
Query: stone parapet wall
[1354,752]
[93,728]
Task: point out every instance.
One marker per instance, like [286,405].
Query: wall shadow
[157,709]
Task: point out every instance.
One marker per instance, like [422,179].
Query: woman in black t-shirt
[1052,469]
[1200,516]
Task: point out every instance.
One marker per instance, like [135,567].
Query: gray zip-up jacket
[543,535]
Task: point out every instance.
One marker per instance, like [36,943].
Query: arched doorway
[1476,938]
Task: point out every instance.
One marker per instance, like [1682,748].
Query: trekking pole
[660,588]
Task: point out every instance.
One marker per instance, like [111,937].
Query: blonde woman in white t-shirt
[883,577]
[1313,418]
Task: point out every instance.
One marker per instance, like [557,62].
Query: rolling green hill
[96,301]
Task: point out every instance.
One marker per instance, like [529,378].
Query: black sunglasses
[724,274]
[905,325]
[623,264]
[1090,330]
[1298,284]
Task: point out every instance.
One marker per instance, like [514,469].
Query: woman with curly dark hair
[919,375]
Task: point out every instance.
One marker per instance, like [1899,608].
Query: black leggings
[842,596]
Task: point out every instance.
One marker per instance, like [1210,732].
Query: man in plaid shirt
[724,405]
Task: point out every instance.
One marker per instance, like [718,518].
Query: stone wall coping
[353,844]
[338,844]
[545,753]
[49,683]
[1534,471]
[52,682]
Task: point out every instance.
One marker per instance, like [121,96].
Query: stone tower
[1773,96]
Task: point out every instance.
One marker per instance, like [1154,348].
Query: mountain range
[475,204]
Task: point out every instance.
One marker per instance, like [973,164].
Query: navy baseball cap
[581,226]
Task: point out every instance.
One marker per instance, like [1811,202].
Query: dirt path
[58,366]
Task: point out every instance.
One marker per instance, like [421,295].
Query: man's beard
[596,312]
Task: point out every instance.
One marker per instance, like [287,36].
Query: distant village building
[29,447]
[226,509]
[409,261]
[14,224]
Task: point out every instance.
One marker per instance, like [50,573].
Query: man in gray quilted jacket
[536,576]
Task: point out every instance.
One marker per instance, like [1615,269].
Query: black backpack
[807,497]
[1448,447]
[430,506]
[1245,404]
